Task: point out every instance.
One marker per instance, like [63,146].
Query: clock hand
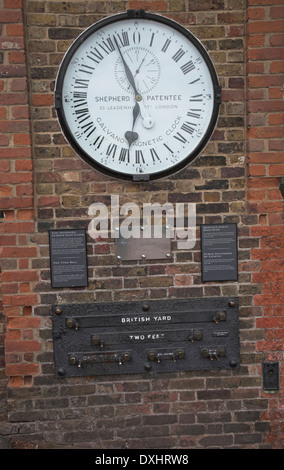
[131,136]
[147,120]
[138,70]
[128,72]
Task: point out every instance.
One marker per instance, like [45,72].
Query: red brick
[43,100]
[271,322]
[276,119]
[22,369]
[13,4]
[18,227]
[16,300]
[7,240]
[10,276]
[263,183]
[22,139]
[257,170]
[269,300]
[265,53]
[15,30]
[277,11]
[4,165]
[266,106]
[154,5]
[21,346]
[19,84]
[26,214]
[277,67]
[23,165]
[254,13]
[276,170]
[8,16]
[48,201]
[13,335]
[267,253]
[5,191]
[23,322]
[266,157]
[17,57]
[277,40]
[256,40]
[265,26]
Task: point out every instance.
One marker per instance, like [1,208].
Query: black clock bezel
[134,14]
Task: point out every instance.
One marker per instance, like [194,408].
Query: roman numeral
[111,150]
[169,149]
[166,45]
[187,127]
[80,95]
[96,55]
[98,141]
[123,38]
[136,37]
[124,154]
[107,46]
[180,137]
[188,67]
[152,39]
[196,97]
[178,55]
[81,83]
[139,156]
[89,126]
[194,115]
[194,81]
[154,155]
[82,113]
[86,67]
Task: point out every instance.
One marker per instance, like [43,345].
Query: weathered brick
[207,409]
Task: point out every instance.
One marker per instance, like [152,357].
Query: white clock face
[137,97]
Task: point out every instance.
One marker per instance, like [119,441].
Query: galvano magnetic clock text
[137,96]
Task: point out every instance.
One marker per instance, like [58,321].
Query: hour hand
[132,136]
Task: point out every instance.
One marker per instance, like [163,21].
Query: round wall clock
[137,96]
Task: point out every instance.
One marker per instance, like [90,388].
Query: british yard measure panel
[154,336]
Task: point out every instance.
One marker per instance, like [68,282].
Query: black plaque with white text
[219,252]
[68,258]
[171,335]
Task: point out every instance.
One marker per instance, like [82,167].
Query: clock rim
[63,121]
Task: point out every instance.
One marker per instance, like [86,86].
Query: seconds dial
[137,96]
[145,69]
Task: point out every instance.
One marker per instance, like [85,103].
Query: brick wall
[44,185]
[265,131]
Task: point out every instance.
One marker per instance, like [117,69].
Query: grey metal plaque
[145,337]
[143,248]
[68,258]
[219,252]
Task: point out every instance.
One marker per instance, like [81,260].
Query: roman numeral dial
[137,96]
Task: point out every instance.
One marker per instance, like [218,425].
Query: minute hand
[128,72]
